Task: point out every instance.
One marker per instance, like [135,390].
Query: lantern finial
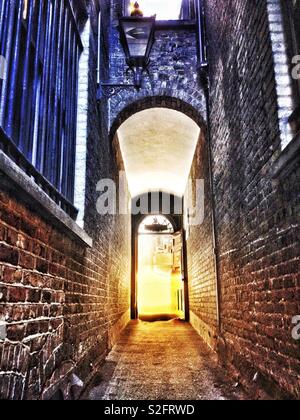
[136,10]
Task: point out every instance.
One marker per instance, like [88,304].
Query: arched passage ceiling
[158,146]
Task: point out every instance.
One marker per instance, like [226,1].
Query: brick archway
[157,102]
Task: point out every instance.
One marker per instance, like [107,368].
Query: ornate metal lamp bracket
[108,90]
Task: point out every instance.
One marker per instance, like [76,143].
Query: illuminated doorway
[160,285]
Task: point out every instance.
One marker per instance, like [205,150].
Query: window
[292,24]
[291,9]
[41,43]
[165,9]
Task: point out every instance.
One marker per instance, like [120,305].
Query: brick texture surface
[257,218]
[62,304]
[172,72]
[200,253]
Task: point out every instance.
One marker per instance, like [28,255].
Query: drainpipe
[212,191]
[204,80]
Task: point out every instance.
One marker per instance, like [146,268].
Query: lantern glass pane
[137,35]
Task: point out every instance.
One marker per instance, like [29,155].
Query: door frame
[177,225]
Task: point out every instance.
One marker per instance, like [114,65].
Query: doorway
[160,274]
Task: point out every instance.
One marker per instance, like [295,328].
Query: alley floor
[162,361]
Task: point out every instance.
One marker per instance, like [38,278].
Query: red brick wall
[63,304]
[200,255]
[257,218]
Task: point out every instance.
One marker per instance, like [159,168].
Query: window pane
[137,36]
[291,9]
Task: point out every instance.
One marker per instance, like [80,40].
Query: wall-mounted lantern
[137,39]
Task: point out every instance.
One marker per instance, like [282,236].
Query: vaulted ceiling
[158,146]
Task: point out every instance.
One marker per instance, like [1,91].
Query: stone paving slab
[162,361]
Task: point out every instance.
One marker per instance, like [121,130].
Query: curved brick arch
[157,102]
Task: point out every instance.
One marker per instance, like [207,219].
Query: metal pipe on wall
[202,47]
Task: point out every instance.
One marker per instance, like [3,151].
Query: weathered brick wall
[257,219]
[201,252]
[112,233]
[62,305]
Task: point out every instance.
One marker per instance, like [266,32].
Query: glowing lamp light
[137,39]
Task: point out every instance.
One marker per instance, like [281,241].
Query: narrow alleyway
[162,361]
[149,168]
